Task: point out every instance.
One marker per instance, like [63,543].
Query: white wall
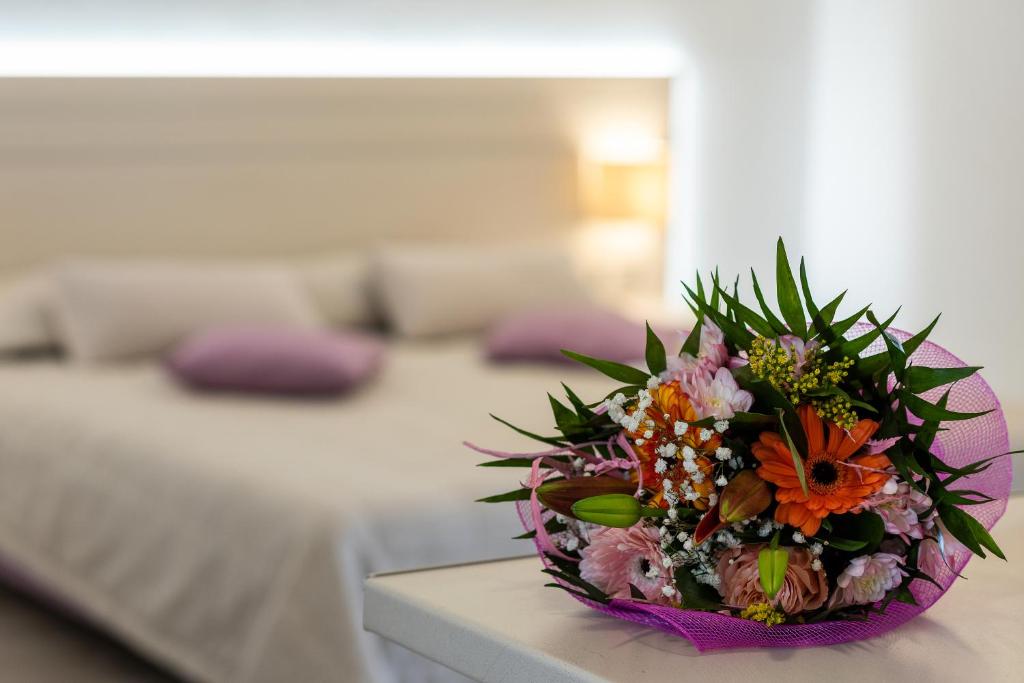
[915,168]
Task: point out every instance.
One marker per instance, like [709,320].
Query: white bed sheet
[228,536]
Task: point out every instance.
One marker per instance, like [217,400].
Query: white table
[496,623]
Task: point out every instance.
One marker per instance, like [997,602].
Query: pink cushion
[541,335]
[276,360]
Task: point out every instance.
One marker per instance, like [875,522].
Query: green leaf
[518,494]
[696,595]
[930,428]
[920,379]
[806,288]
[655,353]
[863,530]
[567,421]
[852,348]
[823,321]
[845,544]
[592,591]
[776,324]
[758,419]
[715,289]
[692,343]
[911,344]
[736,296]
[973,468]
[617,371]
[578,594]
[968,531]
[903,594]
[844,325]
[738,335]
[748,316]
[798,463]
[929,411]
[789,298]
[963,497]
[550,440]
[582,409]
[873,364]
[903,462]
[897,355]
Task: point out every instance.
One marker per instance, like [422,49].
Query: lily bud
[771,569]
[709,524]
[614,509]
[559,495]
[745,496]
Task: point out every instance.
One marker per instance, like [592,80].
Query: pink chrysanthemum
[711,355]
[934,558]
[616,558]
[867,579]
[903,509]
[718,396]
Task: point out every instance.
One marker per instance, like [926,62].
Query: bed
[228,537]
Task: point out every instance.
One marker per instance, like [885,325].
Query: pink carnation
[616,558]
[867,579]
[719,396]
[804,587]
[711,355]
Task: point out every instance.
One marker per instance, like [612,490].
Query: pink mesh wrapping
[963,442]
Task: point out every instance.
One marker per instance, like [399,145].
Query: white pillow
[25,322]
[340,288]
[435,290]
[118,310]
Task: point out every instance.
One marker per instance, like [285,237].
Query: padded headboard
[255,167]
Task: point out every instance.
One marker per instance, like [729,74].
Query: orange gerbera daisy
[836,482]
[670,405]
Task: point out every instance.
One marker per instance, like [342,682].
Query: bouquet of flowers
[784,479]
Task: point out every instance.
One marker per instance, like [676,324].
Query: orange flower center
[824,475]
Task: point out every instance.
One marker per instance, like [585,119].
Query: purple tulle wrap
[963,442]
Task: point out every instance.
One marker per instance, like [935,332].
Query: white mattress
[229,536]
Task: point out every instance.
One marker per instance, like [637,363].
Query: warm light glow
[623,144]
[622,174]
[623,191]
[370,59]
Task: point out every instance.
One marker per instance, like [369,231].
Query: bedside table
[496,623]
